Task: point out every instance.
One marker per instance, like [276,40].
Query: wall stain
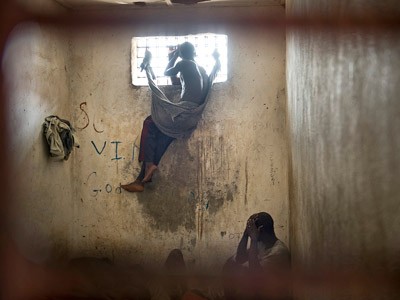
[192,182]
[229,195]
[193,242]
[246,182]
[273,170]
[165,200]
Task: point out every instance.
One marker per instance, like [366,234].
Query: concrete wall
[343,114]
[35,67]
[235,163]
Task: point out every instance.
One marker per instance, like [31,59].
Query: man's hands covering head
[251,228]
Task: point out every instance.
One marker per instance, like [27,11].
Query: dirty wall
[343,116]
[35,66]
[233,165]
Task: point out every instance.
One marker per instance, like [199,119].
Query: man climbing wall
[169,120]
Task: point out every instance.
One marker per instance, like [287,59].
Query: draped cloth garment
[177,120]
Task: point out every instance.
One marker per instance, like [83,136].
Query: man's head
[175,260]
[186,50]
[264,223]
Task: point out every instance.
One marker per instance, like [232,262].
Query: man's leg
[144,136]
[153,144]
[163,143]
[154,150]
[150,152]
[148,145]
[146,139]
[150,142]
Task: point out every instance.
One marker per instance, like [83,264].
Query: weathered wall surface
[234,164]
[343,111]
[35,67]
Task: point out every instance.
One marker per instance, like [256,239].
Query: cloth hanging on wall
[60,137]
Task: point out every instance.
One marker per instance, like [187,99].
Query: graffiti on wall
[101,148]
[86,118]
[97,188]
[100,151]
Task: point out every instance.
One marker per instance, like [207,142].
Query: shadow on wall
[182,189]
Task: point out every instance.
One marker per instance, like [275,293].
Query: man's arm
[254,234]
[172,69]
[241,252]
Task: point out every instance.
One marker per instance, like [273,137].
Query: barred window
[159,46]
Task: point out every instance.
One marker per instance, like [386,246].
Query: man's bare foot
[150,169]
[136,186]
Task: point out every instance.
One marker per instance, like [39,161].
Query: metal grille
[159,46]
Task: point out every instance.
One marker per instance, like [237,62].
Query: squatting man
[260,271]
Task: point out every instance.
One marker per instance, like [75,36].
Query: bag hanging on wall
[60,137]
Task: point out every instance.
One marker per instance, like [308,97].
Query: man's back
[193,79]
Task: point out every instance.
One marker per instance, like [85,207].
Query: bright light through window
[159,46]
